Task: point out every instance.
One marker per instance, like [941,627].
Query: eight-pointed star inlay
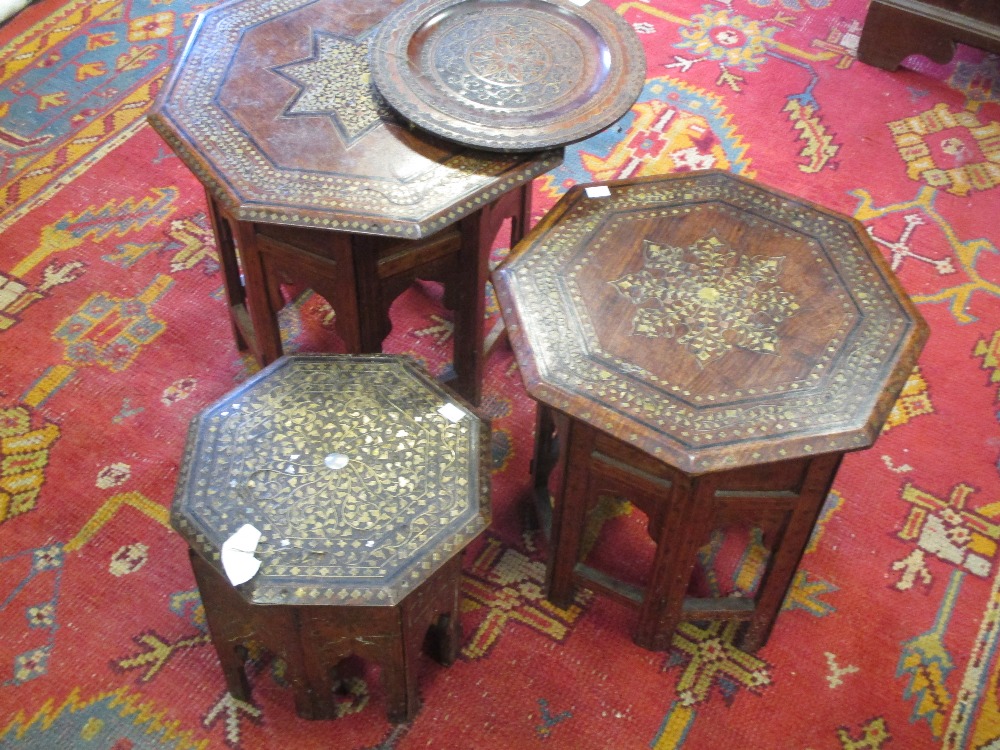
[335,81]
[709,298]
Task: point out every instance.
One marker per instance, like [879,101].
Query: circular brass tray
[508,75]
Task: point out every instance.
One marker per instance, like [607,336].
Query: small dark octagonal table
[366,480]
[708,348]
[311,179]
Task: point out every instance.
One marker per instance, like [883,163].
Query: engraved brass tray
[508,75]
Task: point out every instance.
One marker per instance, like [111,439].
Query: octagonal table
[708,348]
[311,179]
[366,480]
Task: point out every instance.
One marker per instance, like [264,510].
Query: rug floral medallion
[114,334]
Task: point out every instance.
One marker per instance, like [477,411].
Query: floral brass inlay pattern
[709,297]
[690,417]
[508,60]
[361,476]
[335,81]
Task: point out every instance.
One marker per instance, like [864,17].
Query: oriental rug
[113,334]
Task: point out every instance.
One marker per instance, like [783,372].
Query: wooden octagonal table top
[363,475]
[271,106]
[709,321]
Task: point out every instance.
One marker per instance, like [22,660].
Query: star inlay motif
[335,81]
[709,298]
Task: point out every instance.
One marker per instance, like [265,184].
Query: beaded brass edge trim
[700,436]
[297,501]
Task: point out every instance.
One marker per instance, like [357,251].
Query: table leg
[521,217]
[232,622]
[470,313]
[371,305]
[227,632]
[446,627]
[479,232]
[788,550]
[232,282]
[569,513]
[398,659]
[685,526]
[263,315]
[538,504]
[891,34]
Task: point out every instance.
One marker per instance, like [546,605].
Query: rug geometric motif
[734,41]
[191,244]
[24,455]
[873,735]
[925,661]
[967,254]
[978,80]
[31,603]
[711,661]
[114,218]
[989,351]
[117,719]
[92,70]
[914,401]
[718,34]
[671,128]
[509,587]
[946,528]
[112,331]
[890,635]
[974,721]
[949,150]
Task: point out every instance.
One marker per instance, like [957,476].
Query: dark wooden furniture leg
[360,276]
[265,336]
[238,293]
[569,512]
[232,282]
[521,215]
[682,512]
[896,29]
[788,549]
[313,640]
[686,523]
[479,232]
[708,502]
[537,512]
[392,637]
[233,623]
[470,325]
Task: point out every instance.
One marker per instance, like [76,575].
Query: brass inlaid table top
[710,321]
[362,473]
[509,75]
[271,106]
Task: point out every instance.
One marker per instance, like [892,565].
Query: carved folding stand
[367,481]
[310,178]
[708,349]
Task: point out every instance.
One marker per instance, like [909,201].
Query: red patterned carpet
[113,334]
